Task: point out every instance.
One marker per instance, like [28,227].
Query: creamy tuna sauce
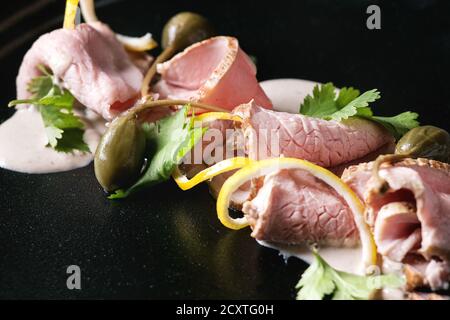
[345,259]
[287,94]
[23,143]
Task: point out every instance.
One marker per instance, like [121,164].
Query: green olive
[425,142]
[120,154]
[184,29]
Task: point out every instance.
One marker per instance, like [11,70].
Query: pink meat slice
[413,217]
[91,64]
[293,207]
[397,230]
[326,143]
[215,71]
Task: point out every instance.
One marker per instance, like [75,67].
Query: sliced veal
[411,221]
[270,134]
[90,62]
[215,71]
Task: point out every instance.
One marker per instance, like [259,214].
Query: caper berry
[120,154]
[425,142]
[184,29]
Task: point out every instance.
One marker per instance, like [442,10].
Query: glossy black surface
[166,243]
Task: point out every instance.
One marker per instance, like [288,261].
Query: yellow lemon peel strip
[221,167]
[70,14]
[261,168]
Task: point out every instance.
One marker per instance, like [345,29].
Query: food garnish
[168,141]
[70,14]
[63,128]
[221,167]
[425,142]
[349,103]
[120,154]
[321,281]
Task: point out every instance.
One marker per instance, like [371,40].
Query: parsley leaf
[321,103]
[346,95]
[169,140]
[351,108]
[320,281]
[63,128]
[399,124]
[349,103]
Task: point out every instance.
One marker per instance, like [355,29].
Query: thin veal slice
[90,62]
[411,220]
[262,218]
[215,71]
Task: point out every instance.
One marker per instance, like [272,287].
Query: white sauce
[344,259]
[23,143]
[287,94]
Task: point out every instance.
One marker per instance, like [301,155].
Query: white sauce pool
[287,94]
[344,259]
[23,143]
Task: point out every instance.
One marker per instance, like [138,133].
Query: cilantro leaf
[169,140]
[352,107]
[346,95]
[349,103]
[320,280]
[399,124]
[63,128]
[316,282]
[321,103]
[53,134]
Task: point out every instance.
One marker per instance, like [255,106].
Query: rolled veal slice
[298,202]
[90,62]
[411,219]
[215,71]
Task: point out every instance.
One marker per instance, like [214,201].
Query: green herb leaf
[399,124]
[316,281]
[321,103]
[169,140]
[324,104]
[320,280]
[346,95]
[63,128]
[351,109]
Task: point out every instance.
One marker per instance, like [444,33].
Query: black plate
[166,243]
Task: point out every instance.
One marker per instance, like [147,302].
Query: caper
[120,154]
[180,31]
[425,142]
[184,29]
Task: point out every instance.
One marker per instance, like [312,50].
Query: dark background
[166,243]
